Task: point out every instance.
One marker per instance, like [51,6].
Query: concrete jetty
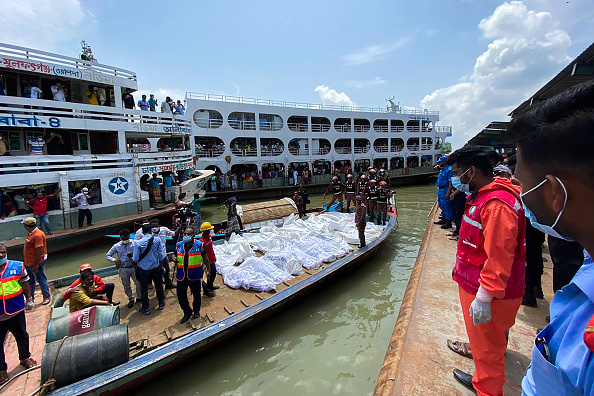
[418,361]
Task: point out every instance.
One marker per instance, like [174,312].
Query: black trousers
[166,271]
[567,258]
[534,262]
[18,327]
[145,277]
[182,296]
[211,277]
[109,287]
[82,213]
[458,205]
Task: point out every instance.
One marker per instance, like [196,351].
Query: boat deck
[431,313]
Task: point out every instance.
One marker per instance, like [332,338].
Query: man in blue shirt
[555,144]
[148,255]
[444,188]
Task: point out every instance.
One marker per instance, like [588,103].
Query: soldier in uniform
[361,186]
[382,175]
[383,195]
[371,193]
[350,190]
[336,187]
[360,220]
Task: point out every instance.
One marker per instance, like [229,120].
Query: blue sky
[472,60]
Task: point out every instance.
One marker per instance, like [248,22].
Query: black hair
[512,160]
[154,220]
[125,233]
[494,156]
[146,228]
[469,156]
[196,196]
[188,227]
[86,274]
[559,133]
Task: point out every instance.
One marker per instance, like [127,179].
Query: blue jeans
[40,278]
[43,219]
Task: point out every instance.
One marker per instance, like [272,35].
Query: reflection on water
[333,342]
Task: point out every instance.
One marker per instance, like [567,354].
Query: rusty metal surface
[418,360]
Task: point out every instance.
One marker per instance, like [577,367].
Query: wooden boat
[159,342]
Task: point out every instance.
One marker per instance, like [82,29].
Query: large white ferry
[113,150]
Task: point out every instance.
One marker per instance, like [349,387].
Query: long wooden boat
[159,346]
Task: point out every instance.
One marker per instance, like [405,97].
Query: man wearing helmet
[360,220]
[209,287]
[382,175]
[336,187]
[371,194]
[350,190]
[383,195]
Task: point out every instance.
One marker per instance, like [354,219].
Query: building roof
[491,136]
[580,70]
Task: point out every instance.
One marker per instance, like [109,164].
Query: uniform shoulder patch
[589,334]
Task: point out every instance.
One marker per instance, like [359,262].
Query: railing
[396,149]
[443,129]
[297,105]
[412,147]
[426,146]
[209,153]
[413,129]
[299,151]
[36,55]
[397,129]
[380,128]
[320,151]
[342,150]
[361,128]
[297,126]
[209,123]
[320,127]
[28,107]
[342,128]
[243,125]
[381,149]
[271,152]
[426,130]
[361,150]
[54,163]
[245,152]
[270,126]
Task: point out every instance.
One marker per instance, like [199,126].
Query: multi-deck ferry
[113,150]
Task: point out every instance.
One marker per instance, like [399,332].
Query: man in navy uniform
[556,168]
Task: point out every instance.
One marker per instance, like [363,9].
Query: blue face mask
[188,238]
[458,185]
[532,217]
[3,260]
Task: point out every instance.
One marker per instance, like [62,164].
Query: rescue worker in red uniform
[350,191]
[490,265]
[383,195]
[209,287]
[336,188]
[371,194]
[382,175]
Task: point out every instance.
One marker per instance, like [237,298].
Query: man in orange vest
[14,288]
[490,265]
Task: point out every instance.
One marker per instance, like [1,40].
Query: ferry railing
[300,151]
[342,128]
[208,123]
[270,152]
[270,126]
[413,129]
[381,149]
[320,127]
[243,125]
[426,130]
[361,150]
[60,60]
[244,152]
[442,129]
[361,128]
[297,126]
[53,163]
[380,128]
[425,146]
[209,153]
[298,105]
[397,129]
[342,150]
[396,149]
[320,151]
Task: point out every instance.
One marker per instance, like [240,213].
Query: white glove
[480,309]
[30,304]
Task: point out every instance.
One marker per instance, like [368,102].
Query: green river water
[333,342]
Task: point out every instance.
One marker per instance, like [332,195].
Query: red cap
[85,266]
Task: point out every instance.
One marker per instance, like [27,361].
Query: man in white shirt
[124,250]
[58,92]
[162,233]
[35,91]
[166,106]
[295,176]
[81,200]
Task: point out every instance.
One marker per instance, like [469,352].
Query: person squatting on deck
[190,257]
[162,233]
[336,187]
[444,189]
[490,266]
[558,186]
[371,194]
[15,289]
[209,287]
[148,255]
[81,200]
[383,196]
[350,191]
[126,267]
[81,292]
[360,220]
[35,255]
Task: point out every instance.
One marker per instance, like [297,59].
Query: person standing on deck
[152,103]
[209,287]
[39,206]
[295,177]
[383,196]
[299,203]
[81,200]
[444,189]
[558,186]
[196,208]
[371,194]
[126,267]
[232,217]
[336,188]
[361,186]
[35,254]
[304,195]
[360,220]
[162,233]
[13,292]
[190,257]
[490,265]
[350,191]
[148,255]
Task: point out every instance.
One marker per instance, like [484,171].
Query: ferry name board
[41,122]
[144,170]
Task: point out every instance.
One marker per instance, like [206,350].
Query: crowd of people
[503,207]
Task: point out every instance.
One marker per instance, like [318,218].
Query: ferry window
[80,141]
[14,198]
[103,142]
[94,186]
[14,141]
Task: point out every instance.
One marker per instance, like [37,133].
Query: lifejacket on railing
[471,255]
[192,270]
[11,291]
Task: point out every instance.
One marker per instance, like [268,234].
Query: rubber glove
[480,309]
[30,304]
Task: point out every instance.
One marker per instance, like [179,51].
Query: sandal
[454,238]
[451,234]
[28,363]
[460,348]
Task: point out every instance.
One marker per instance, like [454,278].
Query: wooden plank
[259,296]
[168,333]
[244,303]
[207,316]
[229,311]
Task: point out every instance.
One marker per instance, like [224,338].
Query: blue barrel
[85,355]
[83,321]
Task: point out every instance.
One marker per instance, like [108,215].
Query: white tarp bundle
[298,243]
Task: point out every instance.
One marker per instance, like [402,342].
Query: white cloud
[330,96]
[41,24]
[237,89]
[366,83]
[527,48]
[374,52]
